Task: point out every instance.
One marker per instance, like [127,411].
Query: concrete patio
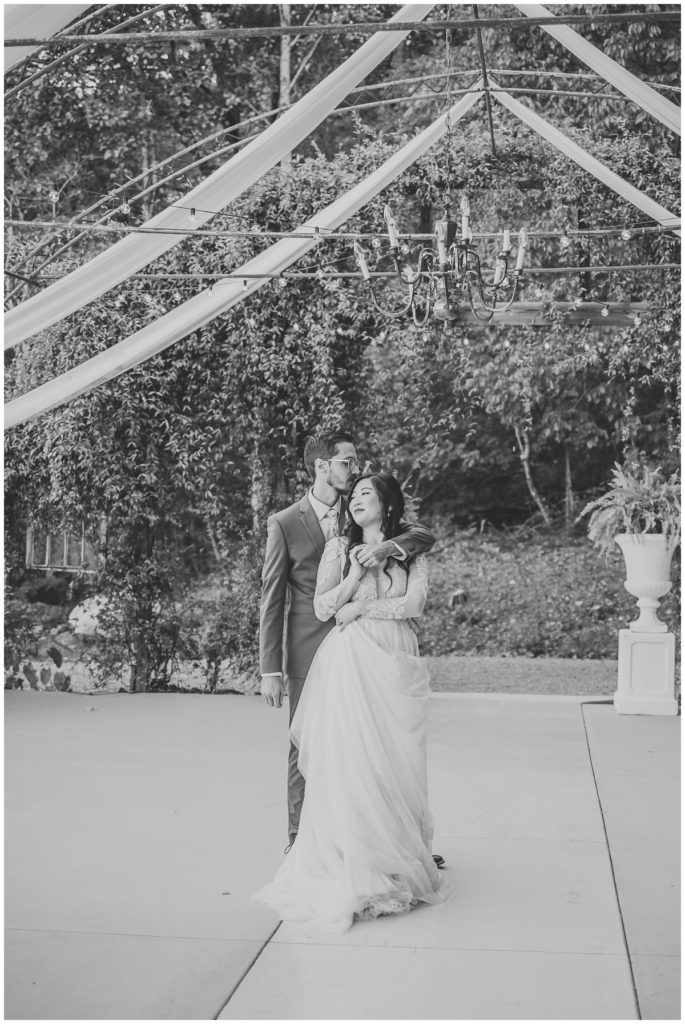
[137,828]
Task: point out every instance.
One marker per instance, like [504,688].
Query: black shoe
[440,861]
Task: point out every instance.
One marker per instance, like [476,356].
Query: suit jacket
[289,631]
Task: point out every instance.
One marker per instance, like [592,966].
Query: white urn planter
[646,651]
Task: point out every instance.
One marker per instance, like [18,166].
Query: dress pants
[295,777]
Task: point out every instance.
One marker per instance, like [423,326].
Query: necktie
[332,517]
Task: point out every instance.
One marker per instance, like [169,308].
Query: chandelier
[448,274]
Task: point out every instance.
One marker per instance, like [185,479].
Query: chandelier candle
[465,210]
[392,228]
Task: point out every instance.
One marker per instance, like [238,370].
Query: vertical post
[284,69]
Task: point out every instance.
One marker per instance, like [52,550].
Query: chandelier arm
[494,308]
[490,312]
[392,314]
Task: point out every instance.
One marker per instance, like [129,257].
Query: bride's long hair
[392,501]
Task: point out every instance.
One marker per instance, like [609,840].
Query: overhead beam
[362,27]
[531,314]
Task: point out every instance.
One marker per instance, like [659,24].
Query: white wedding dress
[364,842]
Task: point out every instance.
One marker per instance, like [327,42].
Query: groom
[295,542]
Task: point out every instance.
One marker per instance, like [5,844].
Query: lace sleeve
[332,592]
[411,604]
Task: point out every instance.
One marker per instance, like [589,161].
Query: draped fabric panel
[224,294]
[23,21]
[576,153]
[638,91]
[133,252]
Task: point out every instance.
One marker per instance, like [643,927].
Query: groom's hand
[373,554]
[272,690]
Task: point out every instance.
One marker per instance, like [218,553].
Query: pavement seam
[245,973]
[611,863]
[414,947]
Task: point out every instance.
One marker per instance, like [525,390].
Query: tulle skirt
[364,842]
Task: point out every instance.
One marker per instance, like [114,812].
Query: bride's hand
[348,613]
[357,570]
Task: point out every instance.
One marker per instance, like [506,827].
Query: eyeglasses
[347,462]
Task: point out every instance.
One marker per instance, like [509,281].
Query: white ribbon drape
[590,163]
[124,258]
[228,292]
[638,91]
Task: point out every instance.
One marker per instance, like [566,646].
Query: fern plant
[638,501]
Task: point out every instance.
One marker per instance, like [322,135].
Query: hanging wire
[484,73]
[638,229]
[448,120]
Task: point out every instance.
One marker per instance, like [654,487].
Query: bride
[364,843]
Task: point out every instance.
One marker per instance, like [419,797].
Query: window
[74,549]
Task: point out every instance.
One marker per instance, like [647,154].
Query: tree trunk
[141,672]
[523,441]
[143,545]
[569,500]
[284,70]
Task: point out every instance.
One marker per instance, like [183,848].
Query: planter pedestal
[646,651]
[646,674]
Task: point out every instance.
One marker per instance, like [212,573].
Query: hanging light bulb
[564,241]
[637,319]
[124,208]
[192,216]
[282,282]
[53,196]
[376,243]
[626,235]
[605,311]
[244,286]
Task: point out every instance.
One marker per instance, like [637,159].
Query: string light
[53,196]
[376,243]
[637,319]
[605,311]
[626,235]
[244,286]
[564,242]
[192,217]
[125,208]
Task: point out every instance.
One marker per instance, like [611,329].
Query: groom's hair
[322,446]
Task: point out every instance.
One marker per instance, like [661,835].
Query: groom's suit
[294,546]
